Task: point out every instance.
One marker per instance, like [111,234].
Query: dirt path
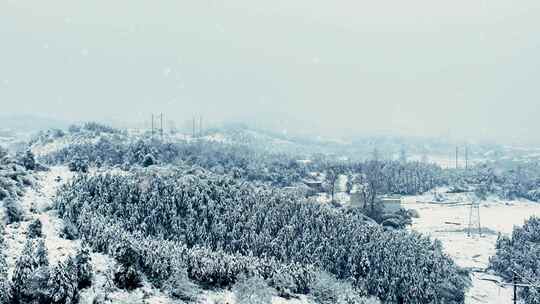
[449,225]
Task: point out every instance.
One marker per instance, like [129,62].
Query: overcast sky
[465,68]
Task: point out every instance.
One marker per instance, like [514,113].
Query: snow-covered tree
[181,287]
[5,285]
[84,267]
[3,153]
[252,290]
[62,284]
[34,229]
[23,273]
[14,210]
[28,160]
[148,160]
[40,253]
[249,228]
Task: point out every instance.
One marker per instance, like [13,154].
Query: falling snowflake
[167,71]
[220,28]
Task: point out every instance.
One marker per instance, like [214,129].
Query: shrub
[70,231]
[84,268]
[252,290]
[28,160]
[126,254]
[148,160]
[39,285]
[127,278]
[40,254]
[397,220]
[284,284]
[14,211]
[34,229]
[78,165]
[99,128]
[62,283]
[181,287]
[326,289]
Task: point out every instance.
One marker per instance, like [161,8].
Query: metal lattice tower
[474,219]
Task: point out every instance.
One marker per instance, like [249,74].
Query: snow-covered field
[449,224]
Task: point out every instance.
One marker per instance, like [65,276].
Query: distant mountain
[30,123]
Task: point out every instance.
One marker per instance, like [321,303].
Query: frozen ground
[449,224]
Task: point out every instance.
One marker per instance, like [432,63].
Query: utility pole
[193,126]
[152,125]
[200,127]
[523,282]
[161,124]
[466,157]
[457,151]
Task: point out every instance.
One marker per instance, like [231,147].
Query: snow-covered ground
[449,223]
[35,202]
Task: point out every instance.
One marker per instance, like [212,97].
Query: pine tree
[84,268]
[62,283]
[41,255]
[34,229]
[14,211]
[5,291]
[148,160]
[28,160]
[22,275]
[5,286]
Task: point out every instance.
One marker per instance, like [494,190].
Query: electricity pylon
[474,218]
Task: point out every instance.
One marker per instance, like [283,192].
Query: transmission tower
[474,219]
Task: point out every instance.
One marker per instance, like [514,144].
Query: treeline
[232,227]
[88,129]
[517,257]
[509,180]
[249,163]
